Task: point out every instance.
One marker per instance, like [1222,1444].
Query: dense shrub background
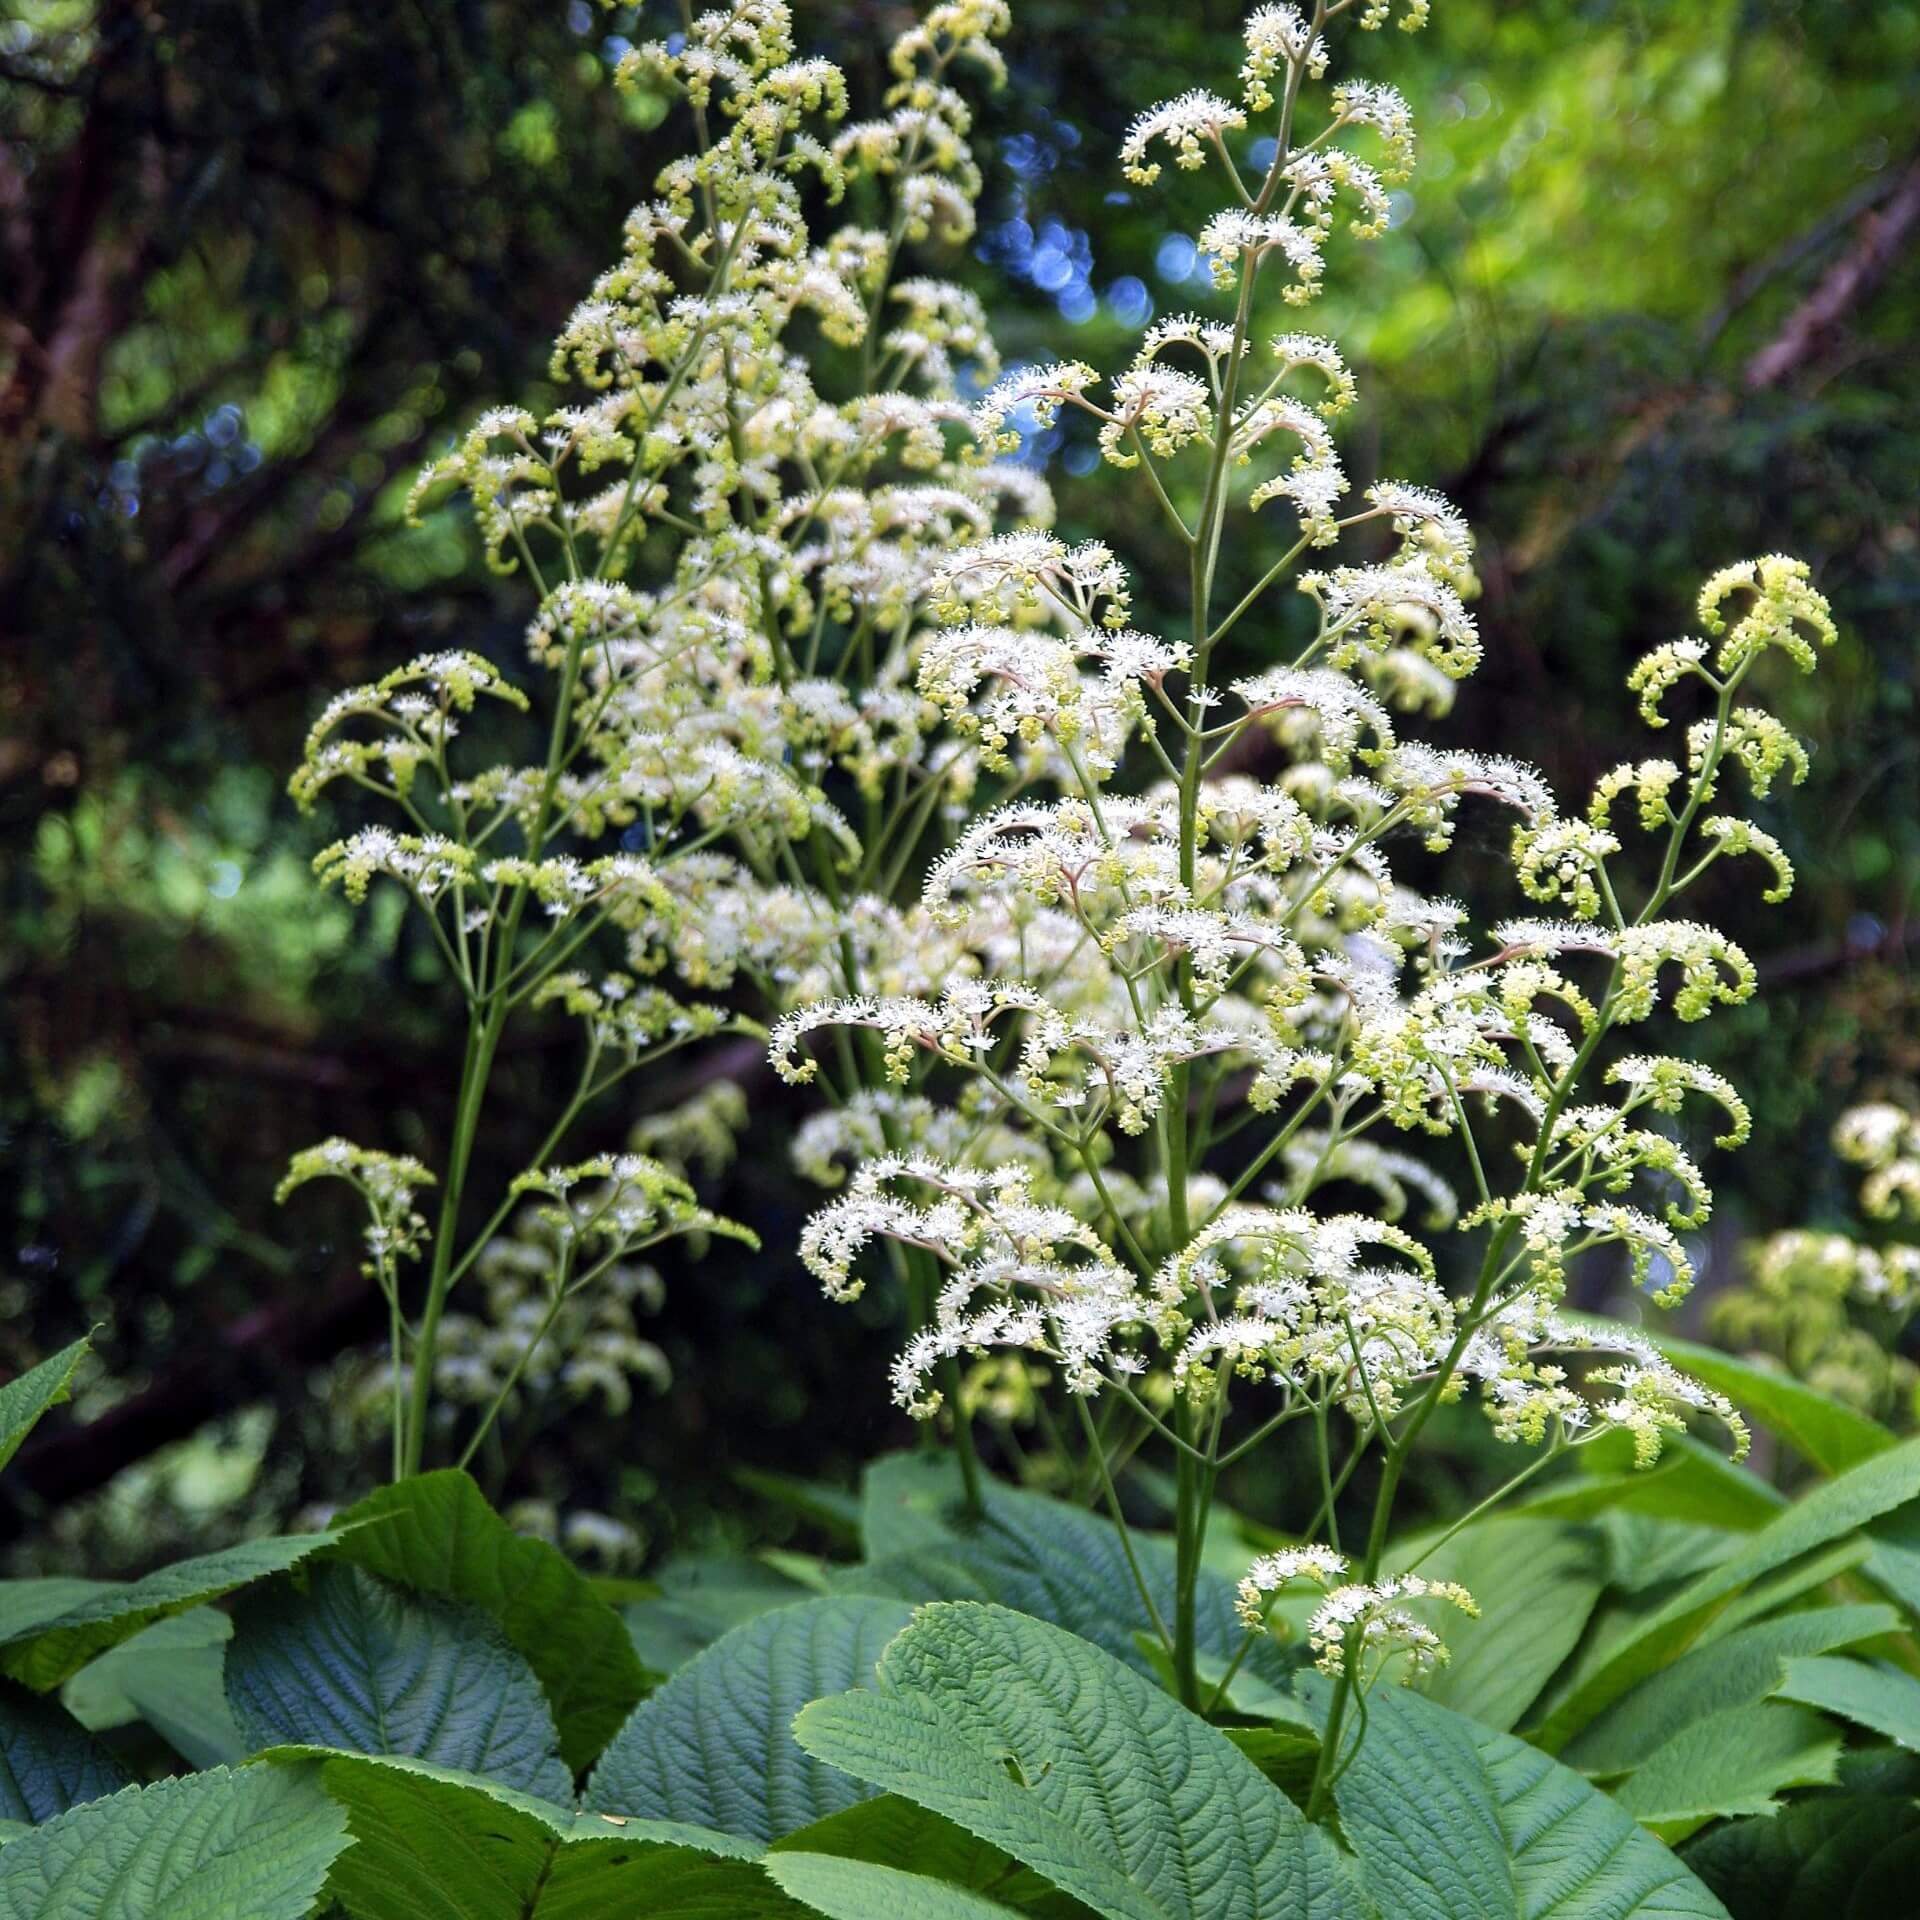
[1648,306]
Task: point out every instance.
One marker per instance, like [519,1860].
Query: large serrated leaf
[845,1889]
[431,1843]
[352,1661]
[1053,1751]
[1032,1554]
[28,1605]
[437,1534]
[1536,1582]
[1739,1670]
[170,1676]
[700,1597]
[1451,1819]
[206,1846]
[43,1648]
[908,1500]
[712,1746]
[1831,1857]
[1831,1512]
[48,1760]
[1693,1484]
[892,1832]
[1882,1699]
[1731,1762]
[24,1400]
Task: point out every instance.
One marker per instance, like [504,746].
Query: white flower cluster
[1360,1626]
[1149,939]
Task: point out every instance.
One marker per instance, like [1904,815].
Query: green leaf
[205,1846]
[700,1598]
[712,1746]
[436,1533]
[1833,1437]
[1829,1857]
[1877,1697]
[1039,1556]
[1287,1756]
[24,1400]
[1832,1511]
[1731,1762]
[355,1662]
[1739,1670]
[43,1652]
[1645,1552]
[836,1512]
[907,1501]
[26,1605]
[48,1760]
[1536,1582]
[891,1832]
[858,1890]
[1451,1819]
[1055,1752]
[172,1677]
[434,1844]
[1692,1483]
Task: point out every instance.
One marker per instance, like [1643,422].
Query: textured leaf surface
[1536,1582]
[1832,1857]
[1039,1556]
[1828,1514]
[1880,1698]
[1739,1670]
[24,1400]
[1644,1552]
[908,1500]
[48,1760]
[700,1598]
[205,1846]
[437,1534]
[172,1677]
[1732,1762]
[1451,1819]
[42,1652]
[27,1605]
[354,1662]
[1048,1748]
[892,1832]
[713,1745]
[858,1890]
[434,1844]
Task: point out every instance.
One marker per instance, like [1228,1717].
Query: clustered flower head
[387,1184]
[1360,1626]
[1165,906]
[736,518]
[1092,933]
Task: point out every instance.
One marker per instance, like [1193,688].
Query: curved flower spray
[1182,1001]
[1097,950]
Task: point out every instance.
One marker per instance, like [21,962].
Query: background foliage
[1647,307]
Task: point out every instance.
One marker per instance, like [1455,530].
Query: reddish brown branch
[1847,284]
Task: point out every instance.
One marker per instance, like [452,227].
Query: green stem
[483,1040]
[1120,1520]
[1544,1458]
[512,1380]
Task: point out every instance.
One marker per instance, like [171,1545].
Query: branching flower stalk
[731,535]
[1184,1006]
